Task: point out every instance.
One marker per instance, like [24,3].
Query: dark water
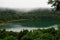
[29,24]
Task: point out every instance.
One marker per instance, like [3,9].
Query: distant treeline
[39,34]
[9,14]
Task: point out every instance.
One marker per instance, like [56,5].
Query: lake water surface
[29,25]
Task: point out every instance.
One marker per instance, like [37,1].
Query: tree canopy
[55,3]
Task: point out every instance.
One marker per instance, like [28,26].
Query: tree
[47,36]
[55,4]
[10,38]
[3,34]
[21,34]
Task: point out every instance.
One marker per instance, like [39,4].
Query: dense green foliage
[39,34]
[9,14]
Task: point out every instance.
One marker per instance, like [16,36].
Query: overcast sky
[24,4]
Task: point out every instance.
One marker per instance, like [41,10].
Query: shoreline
[18,29]
[4,23]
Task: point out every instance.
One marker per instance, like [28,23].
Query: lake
[29,25]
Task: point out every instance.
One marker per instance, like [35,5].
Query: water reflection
[19,28]
[29,25]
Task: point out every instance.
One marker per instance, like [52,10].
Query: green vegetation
[39,34]
[39,14]
[42,14]
[9,15]
[6,15]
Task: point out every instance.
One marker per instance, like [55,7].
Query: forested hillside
[42,14]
